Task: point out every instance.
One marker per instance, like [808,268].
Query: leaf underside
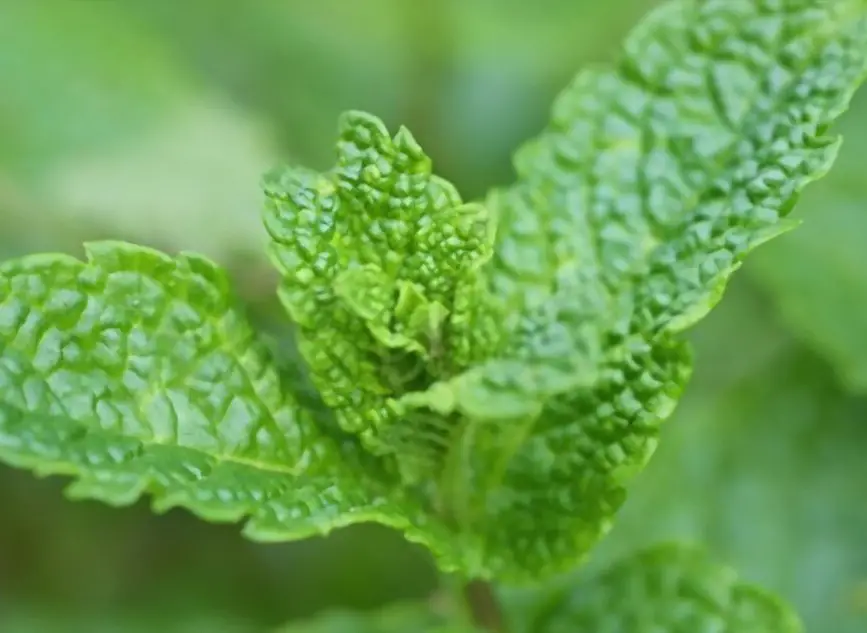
[494,373]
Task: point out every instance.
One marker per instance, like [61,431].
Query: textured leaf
[136,373]
[664,589]
[554,356]
[818,276]
[491,393]
[373,253]
[769,472]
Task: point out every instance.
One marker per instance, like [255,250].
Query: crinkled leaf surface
[818,276]
[663,589]
[544,353]
[137,372]
[493,373]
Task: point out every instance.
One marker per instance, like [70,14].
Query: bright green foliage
[664,589]
[493,374]
[373,254]
[631,210]
[137,373]
[672,170]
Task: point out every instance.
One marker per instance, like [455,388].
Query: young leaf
[372,254]
[551,353]
[664,589]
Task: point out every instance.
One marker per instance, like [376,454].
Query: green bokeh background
[151,120]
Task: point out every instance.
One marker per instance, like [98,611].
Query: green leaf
[664,589]
[494,374]
[555,352]
[373,254]
[138,373]
[769,473]
[818,276]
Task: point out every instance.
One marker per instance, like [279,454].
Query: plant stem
[484,606]
[473,603]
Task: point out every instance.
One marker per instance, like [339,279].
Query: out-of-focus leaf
[105,131]
[670,588]
[296,64]
[483,63]
[771,474]
[77,76]
[818,273]
[190,184]
[437,66]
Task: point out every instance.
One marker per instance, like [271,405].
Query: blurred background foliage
[152,120]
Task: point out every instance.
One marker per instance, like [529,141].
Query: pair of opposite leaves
[492,374]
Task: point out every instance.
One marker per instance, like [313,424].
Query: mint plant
[487,376]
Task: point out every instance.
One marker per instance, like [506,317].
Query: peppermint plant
[485,376]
